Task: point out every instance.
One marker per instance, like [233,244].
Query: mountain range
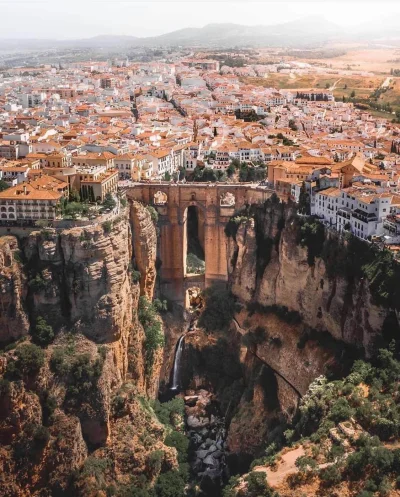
[309,31]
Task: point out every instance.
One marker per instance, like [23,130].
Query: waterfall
[177,363]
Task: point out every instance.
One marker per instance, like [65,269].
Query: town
[74,137]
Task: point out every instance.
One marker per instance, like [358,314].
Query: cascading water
[177,363]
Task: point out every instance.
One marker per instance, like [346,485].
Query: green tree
[74,196]
[292,125]
[330,475]
[341,411]
[219,310]
[180,442]
[3,185]
[42,332]
[257,485]
[306,464]
[109,201]
[73,210]
[230,170]
[170,484]
[29,360]
[304,200]
[154,336]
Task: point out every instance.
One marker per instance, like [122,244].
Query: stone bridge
[215,203]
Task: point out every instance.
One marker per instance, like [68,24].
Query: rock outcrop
[14,322]
[145,247]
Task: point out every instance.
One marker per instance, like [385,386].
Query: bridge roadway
[215,203]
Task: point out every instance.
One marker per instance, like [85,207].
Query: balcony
[346,213]
[391,226]
[364,217]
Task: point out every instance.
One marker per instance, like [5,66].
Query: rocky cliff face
[77,410]
[14,321]
[145,247]
[268,266]
[299,319]
[79,279]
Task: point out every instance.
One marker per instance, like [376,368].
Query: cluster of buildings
[94,127]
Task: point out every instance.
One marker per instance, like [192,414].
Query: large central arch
[200,211]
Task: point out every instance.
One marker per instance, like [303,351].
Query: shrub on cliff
[153,213]
[135,276]
[170,484]
[168,412]
[255,337]
[30,443]
[83,376]
[109,202]
[180,442]
[154,462]
[233,225]
[80,372]
[312,236]
[42,333]
[37,284]
[29,360]
[107,226]
[154,336]
[257,485]
[219,309]
[331,475]
[96,468]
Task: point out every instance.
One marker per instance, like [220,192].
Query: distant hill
[101,41]
[306,32]
[315,29]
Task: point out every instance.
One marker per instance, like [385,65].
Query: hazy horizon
[62,19]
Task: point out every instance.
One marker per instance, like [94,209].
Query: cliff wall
[70,400]
[270,267]
[305,312]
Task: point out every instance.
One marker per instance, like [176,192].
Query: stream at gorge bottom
[205,429]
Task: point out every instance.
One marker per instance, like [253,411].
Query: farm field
[378,60]
[362,85]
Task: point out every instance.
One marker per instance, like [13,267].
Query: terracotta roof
[28,192]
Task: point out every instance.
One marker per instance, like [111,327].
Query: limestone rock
[13,285]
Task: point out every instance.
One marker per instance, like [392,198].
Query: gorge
[86,351]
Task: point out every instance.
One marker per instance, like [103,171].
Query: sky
[62,19]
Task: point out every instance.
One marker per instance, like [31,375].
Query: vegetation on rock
[152,326]
[219,309]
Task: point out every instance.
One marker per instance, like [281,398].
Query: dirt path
[333,87]
[286,467]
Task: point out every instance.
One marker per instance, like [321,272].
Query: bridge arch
[214,205]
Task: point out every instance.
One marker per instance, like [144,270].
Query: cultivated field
[362,85]
[378,60]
